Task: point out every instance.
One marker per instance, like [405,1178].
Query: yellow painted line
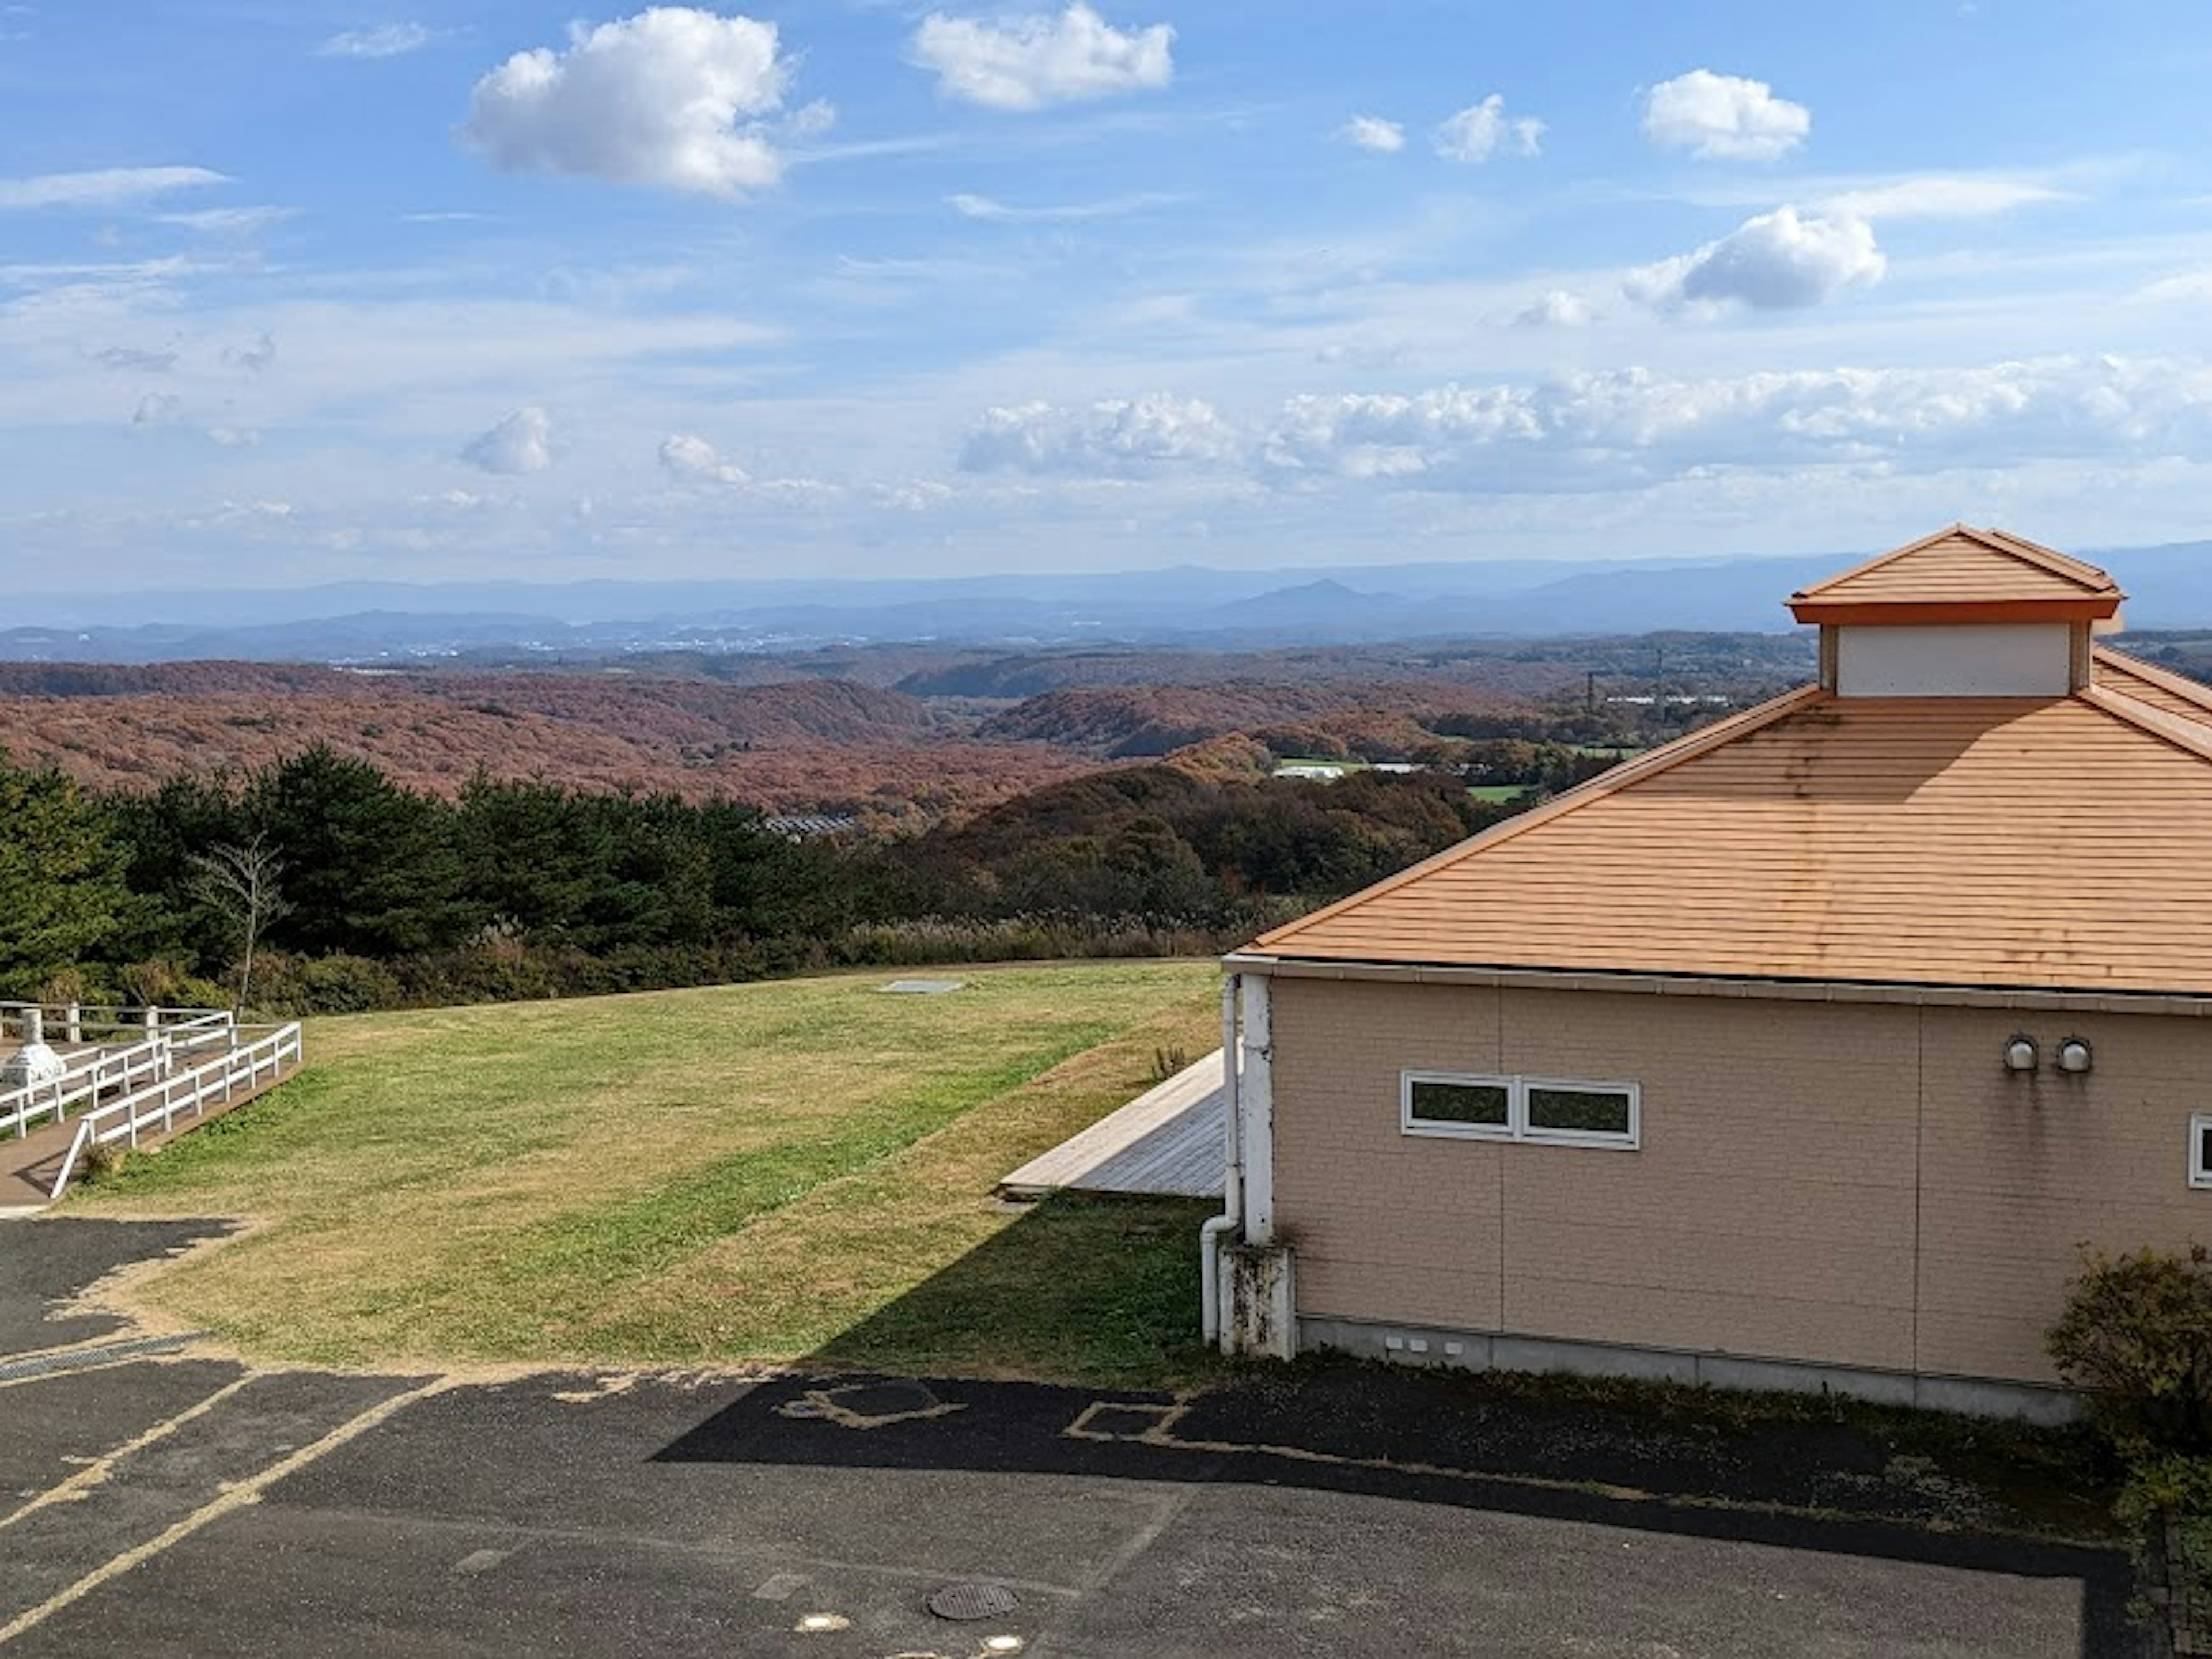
[245,1492]
[99,1469]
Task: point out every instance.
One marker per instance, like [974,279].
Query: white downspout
[1232,1180]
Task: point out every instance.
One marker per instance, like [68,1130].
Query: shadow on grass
[1105,1290]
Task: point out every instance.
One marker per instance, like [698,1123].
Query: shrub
[2137,1334]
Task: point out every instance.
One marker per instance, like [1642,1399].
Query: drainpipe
[1232,1180]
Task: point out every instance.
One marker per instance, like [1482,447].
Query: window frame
[1516,1127]
[1409,1124]
[2200,1173]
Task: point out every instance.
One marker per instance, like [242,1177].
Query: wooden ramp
[1167,1141]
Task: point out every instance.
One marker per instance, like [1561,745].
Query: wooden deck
[1168,1141]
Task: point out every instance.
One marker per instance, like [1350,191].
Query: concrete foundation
[1476,1350]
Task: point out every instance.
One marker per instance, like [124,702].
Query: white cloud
[694,460]
[1484,129]
[135,359]
[1939,196]
[1723,117]
[158,409]
[232,437]
[1373,132]
[674,97]
[1625,429]
[1557,309]
[1112,438]
[229,221]
[387,41]
[255,355]
[523,442]
[103,187]
[1029,62]
[915,496]
[984,207]
[1778,261]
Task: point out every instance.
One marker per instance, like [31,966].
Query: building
[1804,1051]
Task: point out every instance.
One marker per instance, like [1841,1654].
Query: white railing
[159,1033]
[78,1022]
[84,1077]
[189,1090]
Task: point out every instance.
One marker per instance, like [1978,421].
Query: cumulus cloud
[675,98]
[523,442]
[103,187]
[1629,427]
[388,40]
[1028,62]
[694,460]
[1373,132]
[1778,261]
[1484,129]
[915,496]
[1112,438]
[1723,117]
[1557,309]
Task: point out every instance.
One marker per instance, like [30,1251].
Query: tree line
[319,883]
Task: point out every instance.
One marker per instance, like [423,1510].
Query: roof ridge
[2166,679]
[2181,733]
[2059,564]
[1687,747]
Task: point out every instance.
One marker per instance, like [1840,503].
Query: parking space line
[246,1491]
[99,1469]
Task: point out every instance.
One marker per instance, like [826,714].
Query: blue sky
[298,290]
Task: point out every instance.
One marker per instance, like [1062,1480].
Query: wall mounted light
[2073,1054]
[2020,1053]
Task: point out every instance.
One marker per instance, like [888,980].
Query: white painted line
[246,1491]
[97,1469]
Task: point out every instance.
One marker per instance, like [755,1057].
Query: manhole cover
[973,1600]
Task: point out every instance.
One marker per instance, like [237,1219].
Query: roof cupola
[1966,613]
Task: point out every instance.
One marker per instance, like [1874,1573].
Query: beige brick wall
[1859,1184]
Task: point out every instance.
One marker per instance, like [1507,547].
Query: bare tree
[240,883]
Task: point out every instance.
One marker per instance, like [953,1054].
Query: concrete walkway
[1168,1141]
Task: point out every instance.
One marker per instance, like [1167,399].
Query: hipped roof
[2051,843]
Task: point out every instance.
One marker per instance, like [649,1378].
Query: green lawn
[767,1172]
[1498,794]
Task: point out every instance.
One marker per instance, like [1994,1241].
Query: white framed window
[1552,1111]
[2200,1150]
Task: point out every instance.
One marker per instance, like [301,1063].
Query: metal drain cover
[973,1599]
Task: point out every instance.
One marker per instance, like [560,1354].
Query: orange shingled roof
[2147,682]
[1962,574]
[2054,843]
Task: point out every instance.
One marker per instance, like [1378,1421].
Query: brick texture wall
[1854,1184]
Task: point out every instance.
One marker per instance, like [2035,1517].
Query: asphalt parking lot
[181,1504]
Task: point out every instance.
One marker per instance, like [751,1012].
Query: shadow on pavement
[1615,1458]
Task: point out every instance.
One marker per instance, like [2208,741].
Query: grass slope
[771,1171]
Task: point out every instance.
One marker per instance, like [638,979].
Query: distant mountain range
[2170,588]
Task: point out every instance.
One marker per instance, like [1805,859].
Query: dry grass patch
[738,1173]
